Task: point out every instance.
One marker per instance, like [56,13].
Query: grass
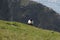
[20,31]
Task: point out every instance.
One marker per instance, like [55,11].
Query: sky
[54,4]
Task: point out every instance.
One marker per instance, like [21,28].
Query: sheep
[30,22]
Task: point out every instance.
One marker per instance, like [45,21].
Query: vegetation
[20,31]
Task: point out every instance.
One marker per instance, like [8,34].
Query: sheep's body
[30,22]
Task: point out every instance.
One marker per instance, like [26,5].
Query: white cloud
[52,1]
[48,1]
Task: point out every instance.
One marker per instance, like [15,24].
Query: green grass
[20,31]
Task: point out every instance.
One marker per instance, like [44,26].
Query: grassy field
[20,31]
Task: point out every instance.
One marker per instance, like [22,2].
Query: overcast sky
[54,4]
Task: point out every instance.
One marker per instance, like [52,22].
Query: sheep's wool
[29,22]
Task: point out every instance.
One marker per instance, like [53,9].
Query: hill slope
[23,10]
[19,31]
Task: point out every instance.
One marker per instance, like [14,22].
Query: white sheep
[30,22]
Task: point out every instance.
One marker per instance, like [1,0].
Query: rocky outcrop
[4,9]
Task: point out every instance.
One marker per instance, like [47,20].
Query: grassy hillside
[20,31]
